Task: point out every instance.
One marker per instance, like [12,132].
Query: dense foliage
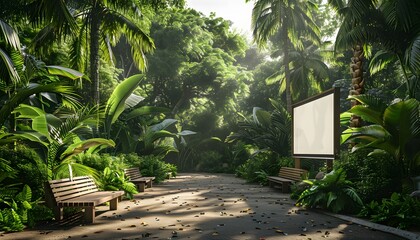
[334,192]
[93,87]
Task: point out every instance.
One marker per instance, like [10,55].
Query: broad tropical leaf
[162,125]
[116,102]
[84,145]
[65,72]
[9,35]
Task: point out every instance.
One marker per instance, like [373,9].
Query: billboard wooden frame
[333,154]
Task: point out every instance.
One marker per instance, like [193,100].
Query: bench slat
[78,192]
[91,199]
[75,193]
[135,177]
[72,186]
[286,177]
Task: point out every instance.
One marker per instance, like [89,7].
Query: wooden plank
[92,199]
[74,185]
[286,177]
[81,192]
[73,195]
[135,177]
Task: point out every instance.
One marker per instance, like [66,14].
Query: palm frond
[66,91]
[9,35]
[380,61]
[412,55]
[8,65]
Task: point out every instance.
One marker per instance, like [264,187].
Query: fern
[333,192]
[10,221]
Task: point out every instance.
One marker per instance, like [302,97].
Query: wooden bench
[78,192]
[286,177]
[135,177]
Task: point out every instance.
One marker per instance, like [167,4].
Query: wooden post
[89,214]
[113,204]
[329,165]
[297,163]
[141,186]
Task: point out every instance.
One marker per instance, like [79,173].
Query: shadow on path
[206,206]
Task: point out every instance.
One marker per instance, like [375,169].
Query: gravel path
[206,206]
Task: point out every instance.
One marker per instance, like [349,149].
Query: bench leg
[141,187]
[285,187]
[58,213]
[113,204]
[90,214]
[149,184]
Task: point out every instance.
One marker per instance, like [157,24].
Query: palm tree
[8,39]
[266,130]
[100,24]
[397,30]
[354,13]
[22,77]
[307,71]
[393,25]
[292,19]
[62,136]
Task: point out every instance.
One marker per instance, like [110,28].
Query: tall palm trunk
[286,68]
[357,81]
[94,53]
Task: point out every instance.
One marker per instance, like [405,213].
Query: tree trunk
[187,93]
[286,61]
[357,81]
[94,54]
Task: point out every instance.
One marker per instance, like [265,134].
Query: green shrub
[400,210]
[14,207]
[257,168]
[211,161]
[38,213]
[171,169]
[154,166]
[27,166]
[10,221]
[131,159]
[334,192]
[95,161]
[149,165]
[114,180]
[374,177]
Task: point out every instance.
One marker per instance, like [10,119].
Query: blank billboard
[316,123]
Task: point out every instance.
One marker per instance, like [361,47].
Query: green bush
[154,166]
[10,221]
[95,160]
[257,168]
[38,213]
[101,161]
[171,169]
[131,159]
[334,192]
[374,177]
[114,180]
[400,210]
[28,167]
[211,161]
[14,207]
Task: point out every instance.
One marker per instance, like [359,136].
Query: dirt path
[207,206]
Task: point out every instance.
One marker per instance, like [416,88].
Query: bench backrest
[132,173]
[64,189]
[295,174]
